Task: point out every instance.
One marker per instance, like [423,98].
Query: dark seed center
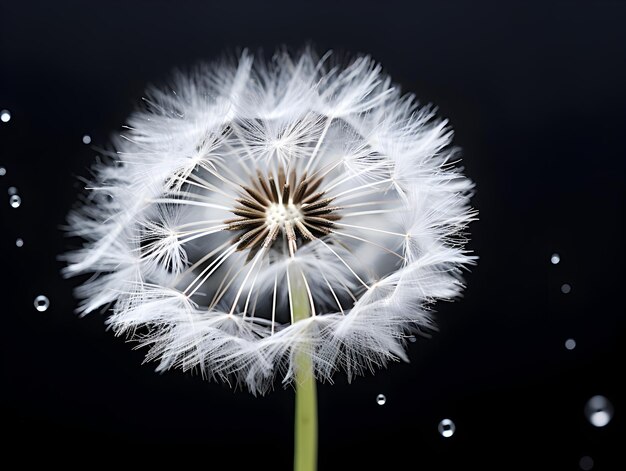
[288,204]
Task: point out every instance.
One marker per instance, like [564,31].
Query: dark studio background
[536,96]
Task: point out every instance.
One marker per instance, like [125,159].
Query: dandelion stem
[305,433]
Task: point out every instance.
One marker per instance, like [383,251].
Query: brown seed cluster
[287,204]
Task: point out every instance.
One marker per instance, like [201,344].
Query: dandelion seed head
[243,178]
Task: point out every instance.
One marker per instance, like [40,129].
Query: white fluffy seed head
[240,174]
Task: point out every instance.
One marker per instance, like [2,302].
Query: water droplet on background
[446,428]
[12,190]
[555,258]
[3,171]
[599,411]
[586,463]
[570,344]
[19,242]
[381,399]
[5,116]
[15,201]
[565,288]
[412,339]
[86,139]
[41,303]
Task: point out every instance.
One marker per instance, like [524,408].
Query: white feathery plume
[244,177]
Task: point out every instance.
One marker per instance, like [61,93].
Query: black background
[536,96]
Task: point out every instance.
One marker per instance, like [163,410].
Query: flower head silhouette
[246,193]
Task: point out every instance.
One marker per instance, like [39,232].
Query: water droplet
[86,139]
[381,399]
[570,344]
[15,201]
[41,303]
[599,411]
[3,171]
[555,258]
[412,339]
[565,288]
[12,190]
[19,242]
[5,116]
[446,428]
[586,463]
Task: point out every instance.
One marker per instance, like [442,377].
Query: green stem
[305,440]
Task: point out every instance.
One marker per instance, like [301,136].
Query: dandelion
[286,219]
